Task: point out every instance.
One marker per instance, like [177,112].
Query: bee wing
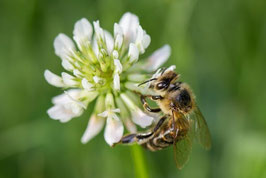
[182,150]
[183,147]
[201,129]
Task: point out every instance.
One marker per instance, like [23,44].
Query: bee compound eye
[161,85]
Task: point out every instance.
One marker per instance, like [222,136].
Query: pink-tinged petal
[131,127]
[117,30]
[158,58]
[95,125]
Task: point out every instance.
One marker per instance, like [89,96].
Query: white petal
[53,79]
[117,110]
[63,98]
[143,40]
[118,42]
[103,114]
[88,96]
[66,106]
[77,64]
[118,66]
[109,103]
[58,112]
[67,65]
[98,30]
[116,82]
[129,23]
[95,46]
[140,33]
[77,73]
[87,85]
[128,101]
[117,30]
[171,68]
[95,125]
[82,32]
[69,80]
[63,45]
[131,127]
[146,41]
[157,73]
[115,117]
[75,104]
[133,53]
[113,131]
[136,77]
[158,58]
[98,79]
[115,54]
[76,107]
[109,41]
[140,118]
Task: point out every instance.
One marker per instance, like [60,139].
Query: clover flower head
[106,68]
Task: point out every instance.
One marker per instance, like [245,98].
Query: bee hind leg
[142,137]
[128,139]
[132,138]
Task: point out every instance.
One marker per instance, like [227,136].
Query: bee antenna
[147,81]
[163,70]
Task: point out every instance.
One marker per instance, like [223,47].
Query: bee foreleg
[156,97]
[146,106]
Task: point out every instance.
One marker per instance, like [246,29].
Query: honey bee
[182,121]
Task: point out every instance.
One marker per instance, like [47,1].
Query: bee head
[162,80]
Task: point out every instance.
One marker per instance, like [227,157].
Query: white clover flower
[104,67]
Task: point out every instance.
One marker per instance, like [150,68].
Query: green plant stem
[139,162]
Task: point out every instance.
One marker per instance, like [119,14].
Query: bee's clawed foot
[116,144]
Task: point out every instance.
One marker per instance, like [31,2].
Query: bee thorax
[183,101]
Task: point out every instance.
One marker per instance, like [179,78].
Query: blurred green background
[219,47]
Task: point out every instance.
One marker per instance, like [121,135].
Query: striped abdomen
[163,138]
